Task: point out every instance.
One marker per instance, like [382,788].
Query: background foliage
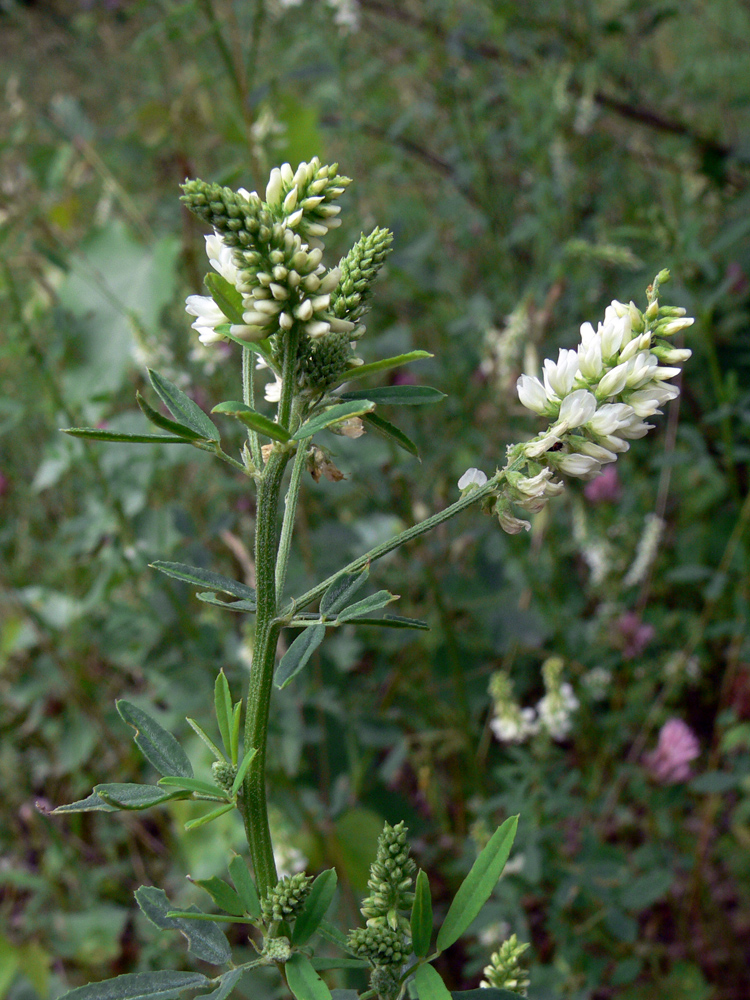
[534,161]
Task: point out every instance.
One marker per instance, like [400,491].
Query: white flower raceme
[596,399]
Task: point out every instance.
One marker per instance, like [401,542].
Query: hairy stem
[405,536]
[248,398]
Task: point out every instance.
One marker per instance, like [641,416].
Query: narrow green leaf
[139,986]
[371,603]
[205,940]
[164,422]
[247,606]
[389,430]
[485,993]
[222,894]
[315,908]
[216,918]
[182,407]
[203,735]
[393,621]
[97,434]
[362,371]
[131,796]
[158,746]
[478,885]
[429,984]
[223,707]
[333,415]
[225,295]
[226,984]
[341,590]
[298,654]
[397,395]
[303,980]
[331,933]
[194,785]
[251,418]
[90,804]
[244,885]
[204,578]
[208,817]
[421,916]
[242,770]
[235,735]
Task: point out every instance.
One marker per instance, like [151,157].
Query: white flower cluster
[553,713]
[287,282]
[599,396]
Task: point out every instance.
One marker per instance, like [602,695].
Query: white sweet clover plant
[272,294]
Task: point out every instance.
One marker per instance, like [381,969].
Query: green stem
[248,398]
[406,536]
[290,511]
[254,806]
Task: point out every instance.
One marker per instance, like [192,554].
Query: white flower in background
[648,546]
[510,723]
[597,682]
[472,477]
[557,706]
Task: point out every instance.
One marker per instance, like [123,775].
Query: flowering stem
[290,511]
[479,493]
[248,398]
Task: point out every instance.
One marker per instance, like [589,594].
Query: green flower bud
[277,949]
[287,897]
[224,774]
[380,945]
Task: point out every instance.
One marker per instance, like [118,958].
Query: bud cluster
[390,882]
[505,971]
[270,253]
[224,773]
[380,945]
[286,898]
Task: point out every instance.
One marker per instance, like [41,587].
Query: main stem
[254,805]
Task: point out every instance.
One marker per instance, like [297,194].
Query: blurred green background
[534,161]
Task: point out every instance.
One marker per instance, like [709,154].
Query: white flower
[221,258]
[613,382]
[590,352]
[472,477]
[585,447]
[616,329]
[577,465]
[273,390]
[609,417]
[538,446]
[209,317]
[558,378]
[532,394]
[576,409]
[642,368]
[539,485]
